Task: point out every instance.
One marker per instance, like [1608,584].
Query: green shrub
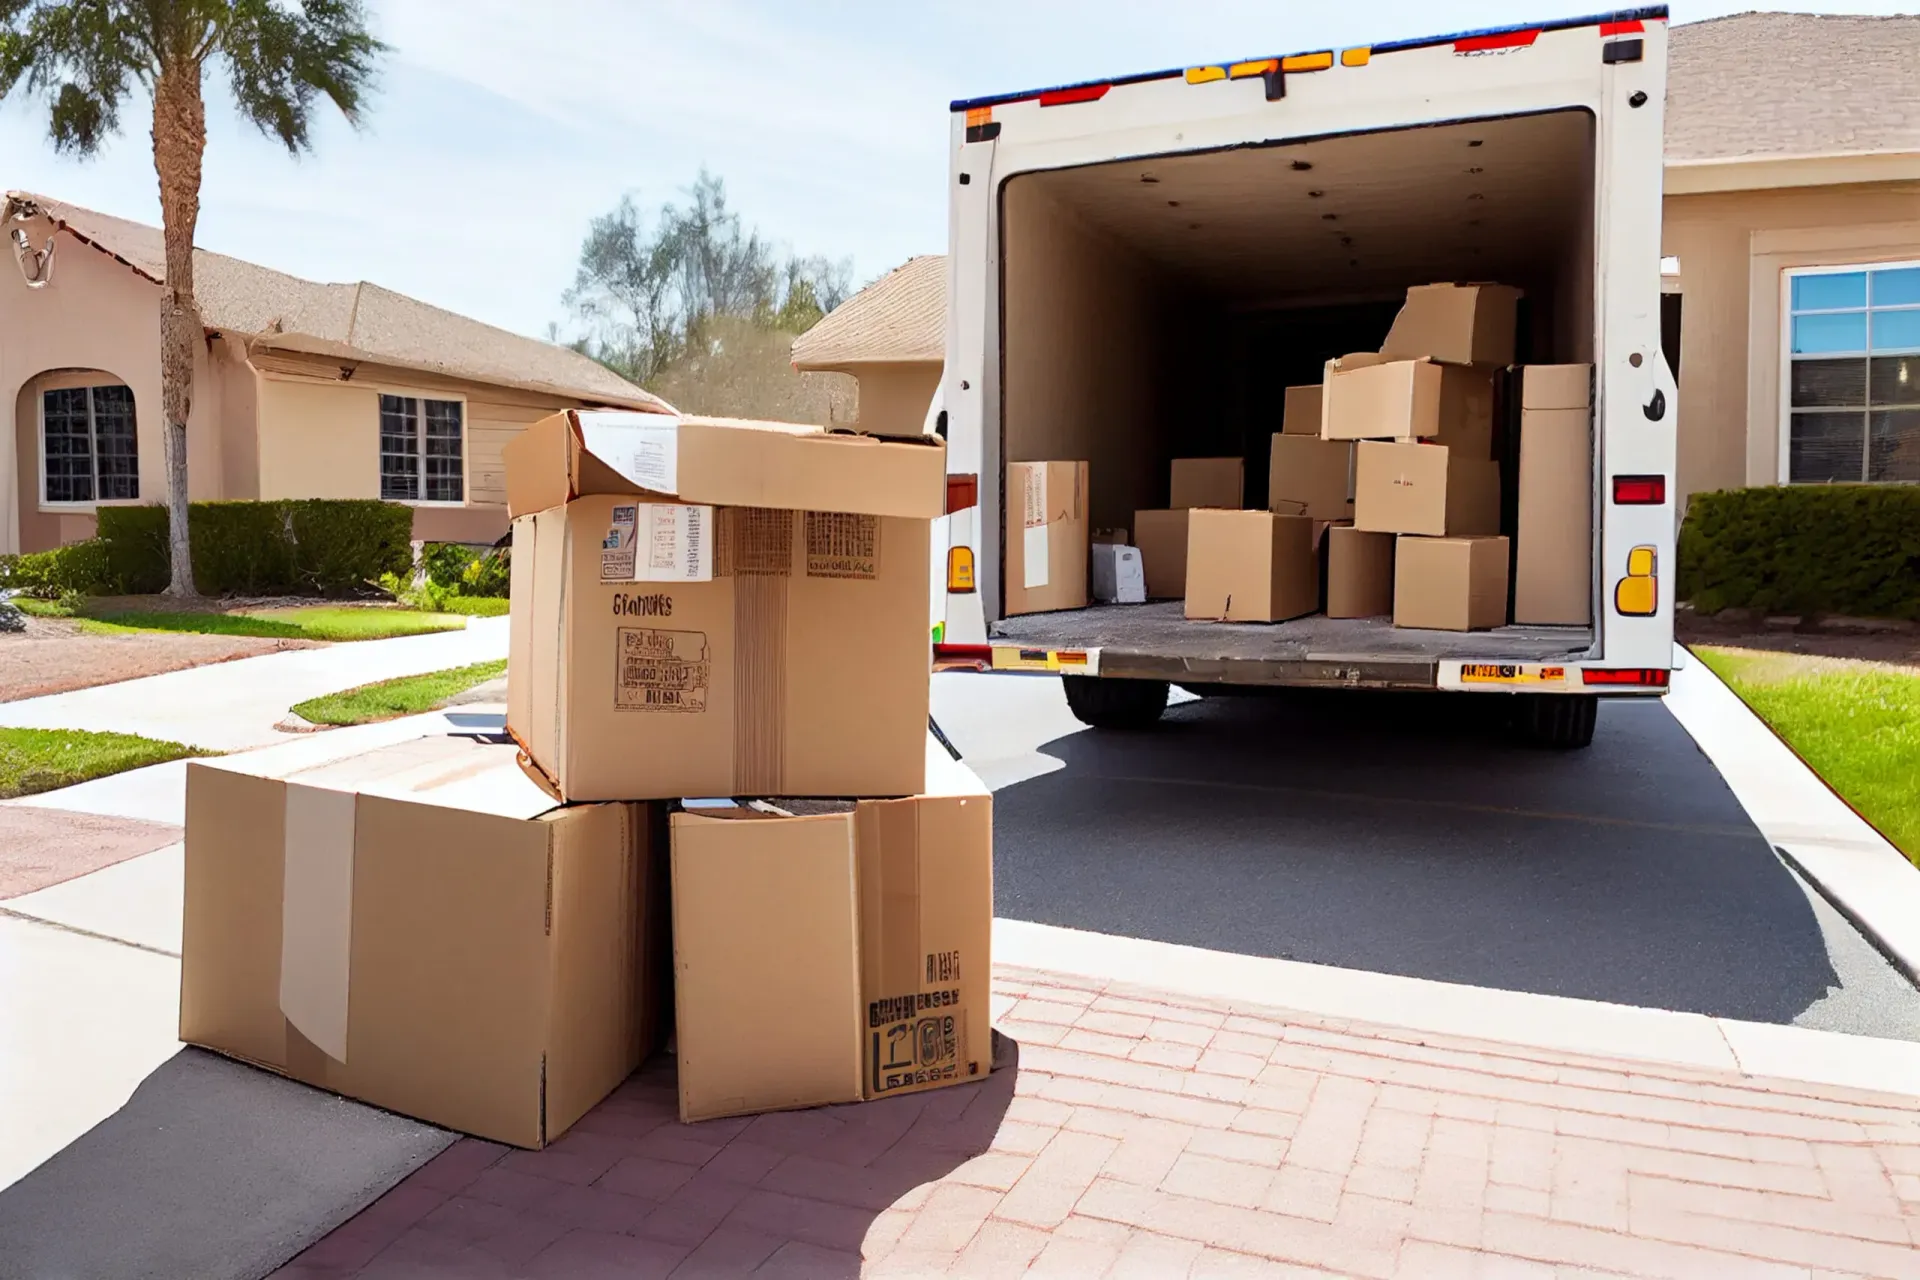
[78,569]
[489,575]
[465,570]
[446,562]
[304,546]
[1804,549]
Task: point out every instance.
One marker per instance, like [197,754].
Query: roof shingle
[358,321]
[901,316]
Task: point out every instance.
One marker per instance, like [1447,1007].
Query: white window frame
[466,445]
[87,383]
[1784,461]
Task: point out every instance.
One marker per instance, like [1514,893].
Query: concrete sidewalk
[231,706]
[1130,1132]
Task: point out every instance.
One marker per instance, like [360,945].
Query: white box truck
[1139,267]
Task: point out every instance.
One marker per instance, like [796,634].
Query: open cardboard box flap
[728,462]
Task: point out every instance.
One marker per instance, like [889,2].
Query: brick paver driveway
[1131,1134]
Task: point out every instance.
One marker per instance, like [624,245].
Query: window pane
[444,480]
[1896,330]
[116,443]
[1895,379]
[1826,447]
[1845,331]
[1828,384]
[1893,446]
[1826,292]
[67,446]
[399,449]
[1897,288]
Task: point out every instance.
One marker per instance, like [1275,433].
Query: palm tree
[85,57]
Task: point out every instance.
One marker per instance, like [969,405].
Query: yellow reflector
[1201,75]
[1307,61]
[979,116]
[960,569]
[1355,57]
[1260,67]
[1638,594]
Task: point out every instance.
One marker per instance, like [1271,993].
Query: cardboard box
[834,952]
[796,664]
[1553,533]
[1556,386]
[1308,476]
[1046,555]
[1359,573]
[1455,323]
[1208,482]
[1117,575]
[1370,398]
[1300,411]
[723,462]
[419,927]
[1251,566]
[1424,489]
[1162,539]
[1450,584]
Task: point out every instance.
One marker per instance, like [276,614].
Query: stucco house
[301,389]
[1792,271]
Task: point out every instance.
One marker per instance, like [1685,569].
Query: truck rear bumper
[1158,642]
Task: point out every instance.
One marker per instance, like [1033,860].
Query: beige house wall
[894,398]
[1733,249]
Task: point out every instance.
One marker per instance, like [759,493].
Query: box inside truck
[1158,308]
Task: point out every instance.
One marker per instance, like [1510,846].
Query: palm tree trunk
[179,140]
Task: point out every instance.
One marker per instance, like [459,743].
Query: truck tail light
[960,570]
[1641,677]
[1639,491]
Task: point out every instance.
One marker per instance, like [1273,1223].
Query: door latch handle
[1656,408]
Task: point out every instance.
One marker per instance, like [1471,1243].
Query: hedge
[48,575]
[303,546]
[1852,550]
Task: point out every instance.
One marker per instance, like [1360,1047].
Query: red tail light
[1079,93]
[1639,491]
[1640,677]
[978,656]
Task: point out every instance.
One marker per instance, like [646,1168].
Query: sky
[500,129]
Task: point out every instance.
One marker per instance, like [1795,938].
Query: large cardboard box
[723,462]
[1300,411]
[1359,573]
[1162,539]
[1308,476]
[1425,489]
[1208,482]
[1450,584]
[418,926]
[796,664]
[831,952]
[1371,398]
[1455,323]
[1251,566]
[1553,533]
[1047,538]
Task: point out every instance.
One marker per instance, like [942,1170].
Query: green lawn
[477,606]
[407,696]
[34,760]
[1856,723]
[314,622]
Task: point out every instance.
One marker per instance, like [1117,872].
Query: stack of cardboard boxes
[709,618]
[1384,487]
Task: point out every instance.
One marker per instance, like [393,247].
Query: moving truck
[1139,268]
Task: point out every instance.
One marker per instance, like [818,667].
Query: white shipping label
[316,915]
[658,542]
[643,447]
[1035,556]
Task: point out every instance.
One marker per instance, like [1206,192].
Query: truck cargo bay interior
[1157,308]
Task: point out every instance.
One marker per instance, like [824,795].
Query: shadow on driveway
[1408,834]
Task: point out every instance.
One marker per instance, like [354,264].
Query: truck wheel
[1115,704]
[1560,721]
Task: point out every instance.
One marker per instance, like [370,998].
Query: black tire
[1115,704]
[1559,721]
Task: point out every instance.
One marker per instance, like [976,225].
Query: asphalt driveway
[1393,833]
